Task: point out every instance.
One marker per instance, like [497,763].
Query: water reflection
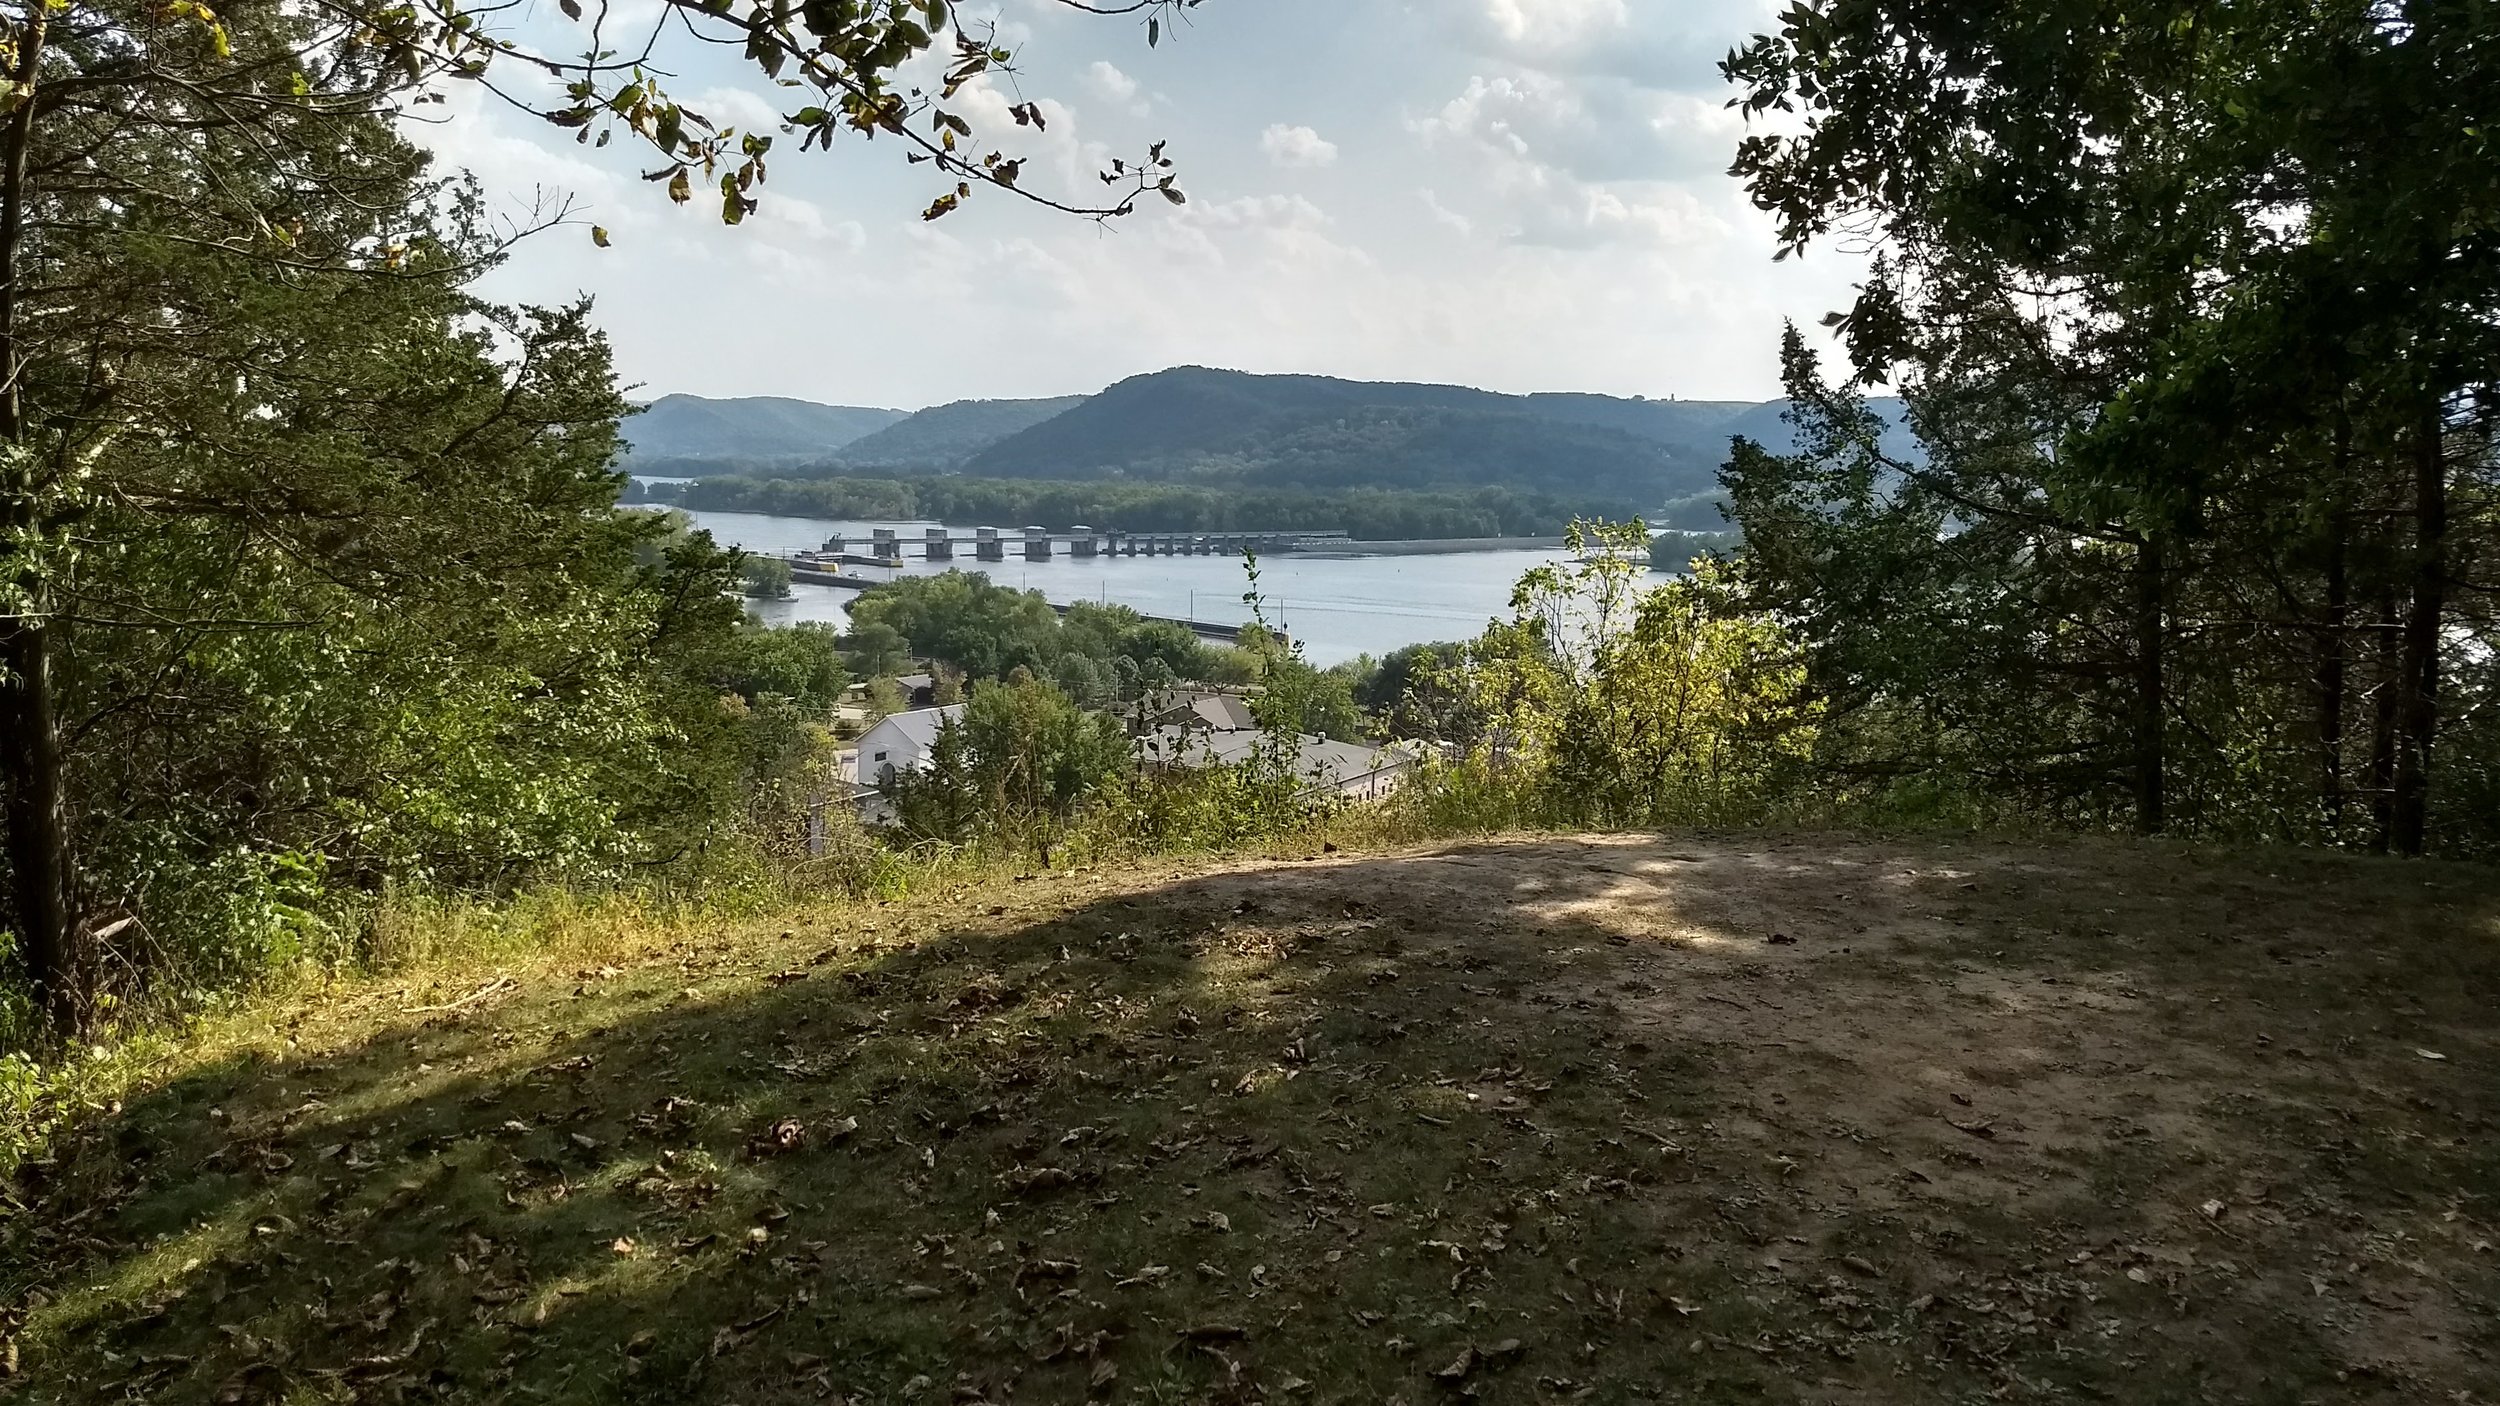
[1338,607]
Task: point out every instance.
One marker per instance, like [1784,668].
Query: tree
[1022,758]
[1419,693]
[765,578]
[307,558]
[964,619]
[847,58]
[800,663]
[2200,351]
[875,650]
[179,184]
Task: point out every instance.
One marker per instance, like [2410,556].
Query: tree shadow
[1716,1120]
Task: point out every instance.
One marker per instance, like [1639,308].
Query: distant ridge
[944,436]
[750,427]
[1237,430]
[1198,424]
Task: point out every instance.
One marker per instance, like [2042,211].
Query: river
[1336,607]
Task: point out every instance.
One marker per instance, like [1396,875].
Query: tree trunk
[2383,726]
[32,805]
[2150,760]
[38,824]
[2417,693]
[2331,646]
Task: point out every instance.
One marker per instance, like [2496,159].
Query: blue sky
[1516,194]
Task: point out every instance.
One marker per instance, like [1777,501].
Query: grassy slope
[1783,1119]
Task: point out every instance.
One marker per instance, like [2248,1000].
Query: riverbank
[1438,546]
[1203,629]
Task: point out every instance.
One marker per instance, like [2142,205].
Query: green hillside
[1242,433]
[1193,423]
[763,427]
[944,436]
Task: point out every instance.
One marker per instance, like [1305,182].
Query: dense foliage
[759,428]
[1196,425]
[2196,310]
[1366,513]
[1094,652]
[942,437]
[311,580]
[1023,749]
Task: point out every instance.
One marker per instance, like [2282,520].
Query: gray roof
[920,726]
[1319,761]
[1225,712]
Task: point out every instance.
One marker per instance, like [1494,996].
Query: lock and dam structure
[887,545]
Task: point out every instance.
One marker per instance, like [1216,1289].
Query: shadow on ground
[1794,1120]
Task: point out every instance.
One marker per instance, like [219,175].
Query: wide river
[1337,607]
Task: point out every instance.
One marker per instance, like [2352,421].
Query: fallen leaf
[1039,1179]
[786,1135]
[1459,1366]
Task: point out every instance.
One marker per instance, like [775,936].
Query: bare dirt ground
[1611,1119]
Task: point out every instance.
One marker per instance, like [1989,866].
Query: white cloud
[1262,212]
[1596,217]
[1105,81]
[1444,215]
[1650,43]
[1297,146]
[1555,24]
[1594,128]
[739,108]
[1109,83]
[1569,225]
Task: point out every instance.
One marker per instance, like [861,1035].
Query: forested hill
[1196,424]
[944,436]
[756,427]
[1235,430]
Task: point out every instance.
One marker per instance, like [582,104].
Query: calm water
[1338,607]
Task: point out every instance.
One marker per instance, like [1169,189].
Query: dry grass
[1771,1118]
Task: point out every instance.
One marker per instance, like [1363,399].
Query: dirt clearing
[1616,1119]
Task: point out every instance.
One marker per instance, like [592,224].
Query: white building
[896,746]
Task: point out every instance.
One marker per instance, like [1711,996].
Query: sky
[1521,195]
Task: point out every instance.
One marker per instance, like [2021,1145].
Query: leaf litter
[1416,1121]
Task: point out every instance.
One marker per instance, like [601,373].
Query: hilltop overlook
[1767,1117]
